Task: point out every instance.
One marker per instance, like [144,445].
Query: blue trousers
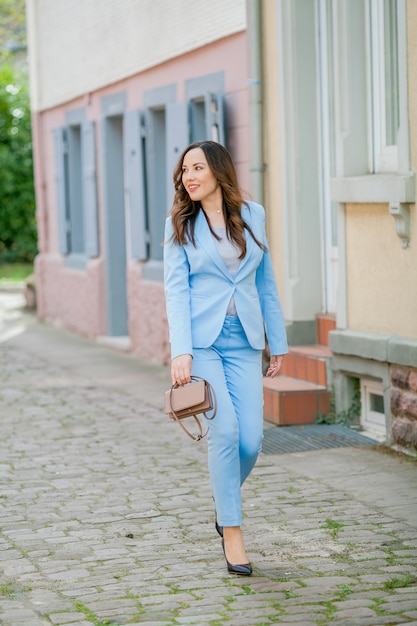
[235,435]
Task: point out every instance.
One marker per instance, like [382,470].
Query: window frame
[371,420]
[76,241]
[75,155]
[384,154]
[205,97]
[394,187]
[156,102]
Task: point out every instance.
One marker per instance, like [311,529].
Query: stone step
[289,401]
[307,363]
[325,322]
[299,394]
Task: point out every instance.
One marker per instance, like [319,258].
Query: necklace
[218,211]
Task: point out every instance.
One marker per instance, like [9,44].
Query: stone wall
[404,406]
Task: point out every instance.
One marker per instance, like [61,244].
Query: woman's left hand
[275,364]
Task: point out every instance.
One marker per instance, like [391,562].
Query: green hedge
[17,196]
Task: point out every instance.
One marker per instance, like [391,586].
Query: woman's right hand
[181,369]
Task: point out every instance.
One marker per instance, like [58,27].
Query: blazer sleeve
[270,302]
[177,294]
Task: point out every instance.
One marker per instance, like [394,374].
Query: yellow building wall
[272,180]
[381,275]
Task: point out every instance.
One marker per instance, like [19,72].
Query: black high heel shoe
[241,570]
[216,525]
[218,528]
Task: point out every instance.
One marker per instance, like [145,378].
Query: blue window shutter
[215,117]
[221,117]
[177,139]
[135,184]
[88,155]
[61,181]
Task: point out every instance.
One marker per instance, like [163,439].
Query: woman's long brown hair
[184,211]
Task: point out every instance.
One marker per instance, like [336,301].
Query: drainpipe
[256,161]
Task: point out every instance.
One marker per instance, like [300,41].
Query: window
[206,100]
[62,188]
[134,143]
[75,210]
[158,179]
[385,83]
[373,410]
[75,168]
[155,138]
[374,96]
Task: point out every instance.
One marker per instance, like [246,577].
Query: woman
[221,297]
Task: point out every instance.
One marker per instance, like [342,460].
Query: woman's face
[198,179]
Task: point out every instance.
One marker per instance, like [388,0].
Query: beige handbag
[190,400]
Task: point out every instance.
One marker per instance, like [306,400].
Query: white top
[229,252]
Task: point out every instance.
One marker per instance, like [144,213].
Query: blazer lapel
[248,256]
[206,240]
[249,242]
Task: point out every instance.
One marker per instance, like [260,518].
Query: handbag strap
[200,428]
[213,397]
[187,432]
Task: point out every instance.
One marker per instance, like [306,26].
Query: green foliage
[7,589]
[345,590]
[12,28]
[405,580]
[333,527]
[92,617]
[17,198]
[15,272]
[346,418]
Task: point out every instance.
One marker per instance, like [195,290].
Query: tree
[12,28]
[17,198]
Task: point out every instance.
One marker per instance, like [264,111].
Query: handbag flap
[185,397]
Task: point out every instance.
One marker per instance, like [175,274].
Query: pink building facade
[104,165]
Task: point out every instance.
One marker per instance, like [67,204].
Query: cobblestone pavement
[106,516]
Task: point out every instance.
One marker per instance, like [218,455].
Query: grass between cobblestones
[333,526]
[7,589]
[400,582]
[106,519]
[92,617]
[329,607]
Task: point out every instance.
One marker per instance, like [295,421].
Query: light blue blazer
[198,288]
